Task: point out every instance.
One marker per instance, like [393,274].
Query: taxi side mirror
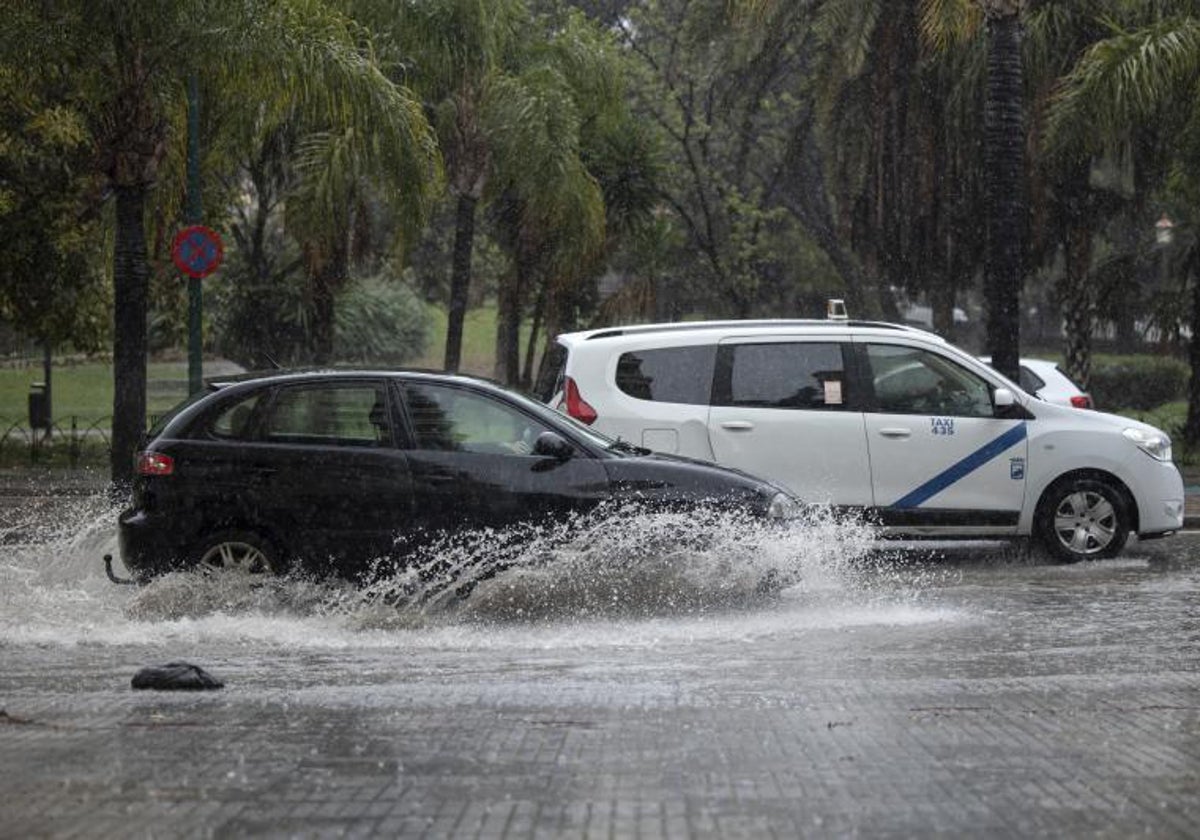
[1005,405]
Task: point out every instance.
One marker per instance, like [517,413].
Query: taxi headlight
[783,506]
[1155,444]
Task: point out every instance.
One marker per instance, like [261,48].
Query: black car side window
[330,415]
[458,420]
[233,423]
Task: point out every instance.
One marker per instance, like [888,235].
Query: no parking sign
[197,251]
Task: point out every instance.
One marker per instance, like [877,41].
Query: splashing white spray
[613,565]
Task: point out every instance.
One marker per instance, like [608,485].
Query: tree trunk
[1191,426]
[508,323]
[1004,170]
[941,300]
[531,346]
[131,275]
[324,284]
[1078,304]
[460,279]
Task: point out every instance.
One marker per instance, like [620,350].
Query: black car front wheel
[240,552]
[1083,519]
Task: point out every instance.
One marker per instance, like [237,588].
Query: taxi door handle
[738,425]
[896,433]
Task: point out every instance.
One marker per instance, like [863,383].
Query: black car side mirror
[552,445]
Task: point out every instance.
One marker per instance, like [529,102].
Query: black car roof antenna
[271,359]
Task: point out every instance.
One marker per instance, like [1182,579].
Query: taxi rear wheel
[1083,519]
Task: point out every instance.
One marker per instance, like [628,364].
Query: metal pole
[194,213]
[47,370]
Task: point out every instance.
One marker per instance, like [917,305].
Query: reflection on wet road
[599,691]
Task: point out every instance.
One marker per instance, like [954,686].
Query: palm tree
[462,55]
[131,61]
[1148,71]
[552,167]
[339,175]
[1004,182]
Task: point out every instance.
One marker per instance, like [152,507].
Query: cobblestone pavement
[973,694]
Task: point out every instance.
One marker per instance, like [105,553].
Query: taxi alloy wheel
[1084,519]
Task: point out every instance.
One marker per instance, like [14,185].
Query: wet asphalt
[974,691]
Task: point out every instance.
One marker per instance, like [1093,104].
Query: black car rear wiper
[619,445]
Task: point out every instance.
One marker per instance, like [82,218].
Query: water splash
[615,566]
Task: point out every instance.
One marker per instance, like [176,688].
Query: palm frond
[947,23]
[1127,78]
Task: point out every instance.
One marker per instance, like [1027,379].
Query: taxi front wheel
[1083,519]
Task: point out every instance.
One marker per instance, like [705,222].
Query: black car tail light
[154,463]
[577,407]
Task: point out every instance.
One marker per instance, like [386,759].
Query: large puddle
[616,578]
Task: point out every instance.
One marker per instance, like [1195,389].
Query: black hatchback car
[329,471]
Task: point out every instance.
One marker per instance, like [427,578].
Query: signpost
[197,252]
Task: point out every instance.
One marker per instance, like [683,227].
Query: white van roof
[762,325]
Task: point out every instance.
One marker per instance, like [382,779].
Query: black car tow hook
[111,576]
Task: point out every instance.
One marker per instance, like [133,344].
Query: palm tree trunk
[531,345]
[1078,304]
[460,279]
[508,321]
[131,275]
[325,283]
[1191,426]
[1004,170]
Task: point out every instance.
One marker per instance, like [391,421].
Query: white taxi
[919,436]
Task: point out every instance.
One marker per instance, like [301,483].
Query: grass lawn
[479,341]
[84,390]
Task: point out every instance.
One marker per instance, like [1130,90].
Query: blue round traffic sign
[197,251]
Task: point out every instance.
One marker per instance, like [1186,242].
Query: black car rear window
[233,421]
[669,374]
[159,423]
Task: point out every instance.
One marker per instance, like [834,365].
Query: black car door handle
[439,478]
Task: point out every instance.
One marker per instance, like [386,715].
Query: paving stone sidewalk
[1009,700]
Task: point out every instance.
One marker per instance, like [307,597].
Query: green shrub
[380,319]
[1138,382]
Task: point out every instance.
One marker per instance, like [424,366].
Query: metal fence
[68,442]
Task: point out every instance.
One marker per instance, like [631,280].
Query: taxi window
[1030,382]
[790,375]
[908,380]
[668,374]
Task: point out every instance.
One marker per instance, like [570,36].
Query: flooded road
[634,680]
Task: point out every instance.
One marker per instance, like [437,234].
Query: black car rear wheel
[239,552]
